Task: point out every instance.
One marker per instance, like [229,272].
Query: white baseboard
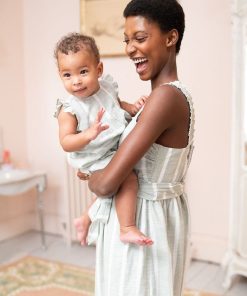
[208,248]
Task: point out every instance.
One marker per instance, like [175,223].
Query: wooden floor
[200,276]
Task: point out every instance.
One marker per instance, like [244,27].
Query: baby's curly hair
[75,42]
[168,14]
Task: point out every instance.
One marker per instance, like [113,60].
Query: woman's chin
[144,76]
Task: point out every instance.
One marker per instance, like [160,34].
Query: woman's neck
[167,74]
[163,79]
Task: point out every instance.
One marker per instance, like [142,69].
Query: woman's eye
[126,41]
[140,39]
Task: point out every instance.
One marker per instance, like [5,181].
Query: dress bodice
[162,170]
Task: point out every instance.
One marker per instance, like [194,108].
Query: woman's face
[146,45]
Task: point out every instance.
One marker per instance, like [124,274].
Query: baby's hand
[97,127]
[139,104]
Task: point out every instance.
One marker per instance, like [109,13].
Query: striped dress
[162,214]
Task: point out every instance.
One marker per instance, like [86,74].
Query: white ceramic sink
[17,181]
[13,175]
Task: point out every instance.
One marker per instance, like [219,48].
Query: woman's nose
[130,48]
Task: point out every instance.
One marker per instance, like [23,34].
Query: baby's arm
[132,109]
[72,140]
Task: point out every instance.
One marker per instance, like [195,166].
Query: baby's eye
[84,72]
[66,75]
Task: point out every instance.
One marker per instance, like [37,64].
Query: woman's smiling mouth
[141,64]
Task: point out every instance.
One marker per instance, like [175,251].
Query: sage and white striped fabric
[162,214]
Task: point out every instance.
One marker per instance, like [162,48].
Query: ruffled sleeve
[111,83]
[108,82]
[65,104]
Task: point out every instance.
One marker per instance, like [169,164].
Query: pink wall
[15,212]
[204,66]
[12,108]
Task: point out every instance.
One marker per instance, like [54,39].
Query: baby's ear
[100,69]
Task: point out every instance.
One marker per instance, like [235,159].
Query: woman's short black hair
[168,14]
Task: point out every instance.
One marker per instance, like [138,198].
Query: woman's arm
[158,115]
[69,137]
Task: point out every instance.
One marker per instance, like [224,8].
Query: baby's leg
[82,225]
[126,199]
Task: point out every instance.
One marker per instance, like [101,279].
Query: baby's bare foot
[82,225]
[131,234]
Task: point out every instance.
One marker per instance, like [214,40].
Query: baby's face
[79,73]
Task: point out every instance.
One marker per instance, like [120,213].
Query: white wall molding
[235,258]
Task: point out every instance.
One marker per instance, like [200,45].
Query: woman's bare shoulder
[164,103]
[167,94]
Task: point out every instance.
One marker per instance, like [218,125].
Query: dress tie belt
[159,191]
[99,212]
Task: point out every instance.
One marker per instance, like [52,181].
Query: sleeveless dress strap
[187,95]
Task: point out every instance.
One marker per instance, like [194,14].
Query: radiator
[79,198]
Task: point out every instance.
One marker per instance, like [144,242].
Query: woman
[158,145]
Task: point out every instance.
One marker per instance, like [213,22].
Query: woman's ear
[100,69]
[172,38]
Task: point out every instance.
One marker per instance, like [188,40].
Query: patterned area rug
[31,276]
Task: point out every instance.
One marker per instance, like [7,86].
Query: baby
[91,122]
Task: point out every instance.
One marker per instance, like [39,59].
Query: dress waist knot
[159,191]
